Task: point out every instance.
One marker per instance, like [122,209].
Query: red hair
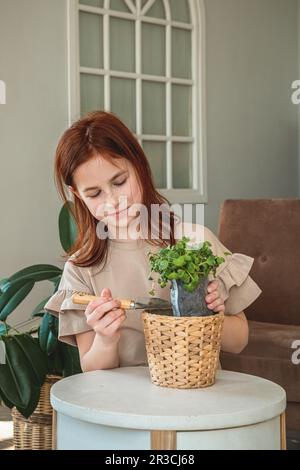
[103,133]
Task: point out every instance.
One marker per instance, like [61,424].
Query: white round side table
[121,409]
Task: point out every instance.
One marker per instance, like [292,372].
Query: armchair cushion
[269,355]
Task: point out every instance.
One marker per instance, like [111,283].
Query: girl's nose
[111,203]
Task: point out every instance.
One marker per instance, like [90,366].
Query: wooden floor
[6,429]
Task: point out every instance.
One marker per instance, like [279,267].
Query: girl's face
[107,187]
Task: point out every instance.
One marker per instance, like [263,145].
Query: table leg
[54,429]
[163,440]
[283,431]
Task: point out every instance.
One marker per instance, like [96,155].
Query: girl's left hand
[213,299]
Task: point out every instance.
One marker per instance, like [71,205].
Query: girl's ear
[73,191]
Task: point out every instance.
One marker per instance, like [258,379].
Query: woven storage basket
[183,352]
[35,433]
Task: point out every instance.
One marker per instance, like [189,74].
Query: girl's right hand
[104,316]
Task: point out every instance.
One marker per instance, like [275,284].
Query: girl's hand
[213,299]
[105,317]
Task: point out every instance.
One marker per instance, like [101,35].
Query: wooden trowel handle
[84,299]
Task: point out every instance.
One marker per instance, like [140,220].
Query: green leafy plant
[31,349]
[184,263]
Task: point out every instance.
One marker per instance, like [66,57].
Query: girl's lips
[117,213]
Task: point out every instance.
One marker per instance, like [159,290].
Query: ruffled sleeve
[71,316]
[236,287]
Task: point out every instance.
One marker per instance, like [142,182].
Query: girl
[107,172]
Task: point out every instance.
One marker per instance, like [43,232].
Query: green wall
[252,126]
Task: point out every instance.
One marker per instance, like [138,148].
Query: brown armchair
[269,231]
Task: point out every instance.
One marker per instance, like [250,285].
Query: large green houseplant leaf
[31,355]
[23,373]
[67,227]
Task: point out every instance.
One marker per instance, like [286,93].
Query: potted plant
[187,266]
[33,358]
[183,349]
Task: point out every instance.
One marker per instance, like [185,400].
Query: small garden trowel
[147,303]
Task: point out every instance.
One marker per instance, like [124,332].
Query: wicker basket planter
[35,433]
[183,352]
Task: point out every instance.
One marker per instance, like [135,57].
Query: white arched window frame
[197,193]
